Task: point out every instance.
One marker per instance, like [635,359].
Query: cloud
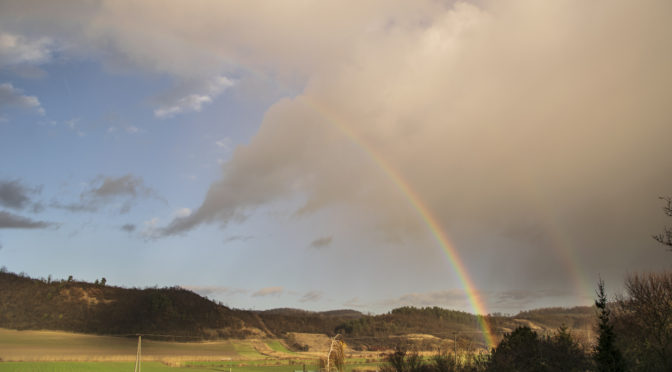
[519,298]
[321,242]
[215,290]
[492,114]
[311,296]
[234,238]
[13,97]
[354,302]
[129,227]
[194,101]
[225,144]
[13,221]
[150,230]
[19,50]
[106,190]
[14,194]
[447,298]
[268,291]
[182,213]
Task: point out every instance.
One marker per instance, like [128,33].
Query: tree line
[634,333]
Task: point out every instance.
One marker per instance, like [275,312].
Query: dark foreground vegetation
[634,333]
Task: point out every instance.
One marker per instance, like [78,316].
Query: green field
[153,367]
[278,346]
[91,367]
[53,351]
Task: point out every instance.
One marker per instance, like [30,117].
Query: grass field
[278,346]
[152,367]
[64,346]
[52,351]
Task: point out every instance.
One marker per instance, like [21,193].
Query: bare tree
[335,359]
[665,237]
[644,321]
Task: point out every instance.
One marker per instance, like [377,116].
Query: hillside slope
[27,303]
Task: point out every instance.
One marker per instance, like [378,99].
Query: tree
[564,353]
[518,351]
[524,350]
[335,359]
[665,237]
[103,281]
[606,355]
[644,318]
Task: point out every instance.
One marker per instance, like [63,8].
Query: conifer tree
[607,357]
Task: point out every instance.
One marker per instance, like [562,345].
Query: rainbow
[562,245]
[425,213]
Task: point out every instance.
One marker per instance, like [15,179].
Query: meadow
[55,351]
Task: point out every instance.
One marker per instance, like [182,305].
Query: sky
[484,156]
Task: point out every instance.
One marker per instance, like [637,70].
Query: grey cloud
[447,298]
[129,227]
[14,194]
[321,242]
[354,302]
[268,291]
[311,296]
[516,298]
[234,238]
[215,290]
[512,113]
[105,190]
[13,97]
[13,221]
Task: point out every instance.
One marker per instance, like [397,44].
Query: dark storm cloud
[321,242]
[13,221]
[105,190]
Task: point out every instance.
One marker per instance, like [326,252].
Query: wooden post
[138,356]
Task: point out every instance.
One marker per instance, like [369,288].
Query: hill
[76,306]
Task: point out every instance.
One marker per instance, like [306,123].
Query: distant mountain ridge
[180,314]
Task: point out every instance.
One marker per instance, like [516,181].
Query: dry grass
[64,346]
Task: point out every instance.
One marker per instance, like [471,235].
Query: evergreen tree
[607,357]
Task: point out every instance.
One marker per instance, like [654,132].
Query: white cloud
[224,143]
[13,97]
[17,49]
[194,101]
[182,212]
[150,228]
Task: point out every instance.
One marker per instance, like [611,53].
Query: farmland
[55,351]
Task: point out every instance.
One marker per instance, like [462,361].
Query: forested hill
[70,305]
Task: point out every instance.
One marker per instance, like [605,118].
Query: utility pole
[138,355]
